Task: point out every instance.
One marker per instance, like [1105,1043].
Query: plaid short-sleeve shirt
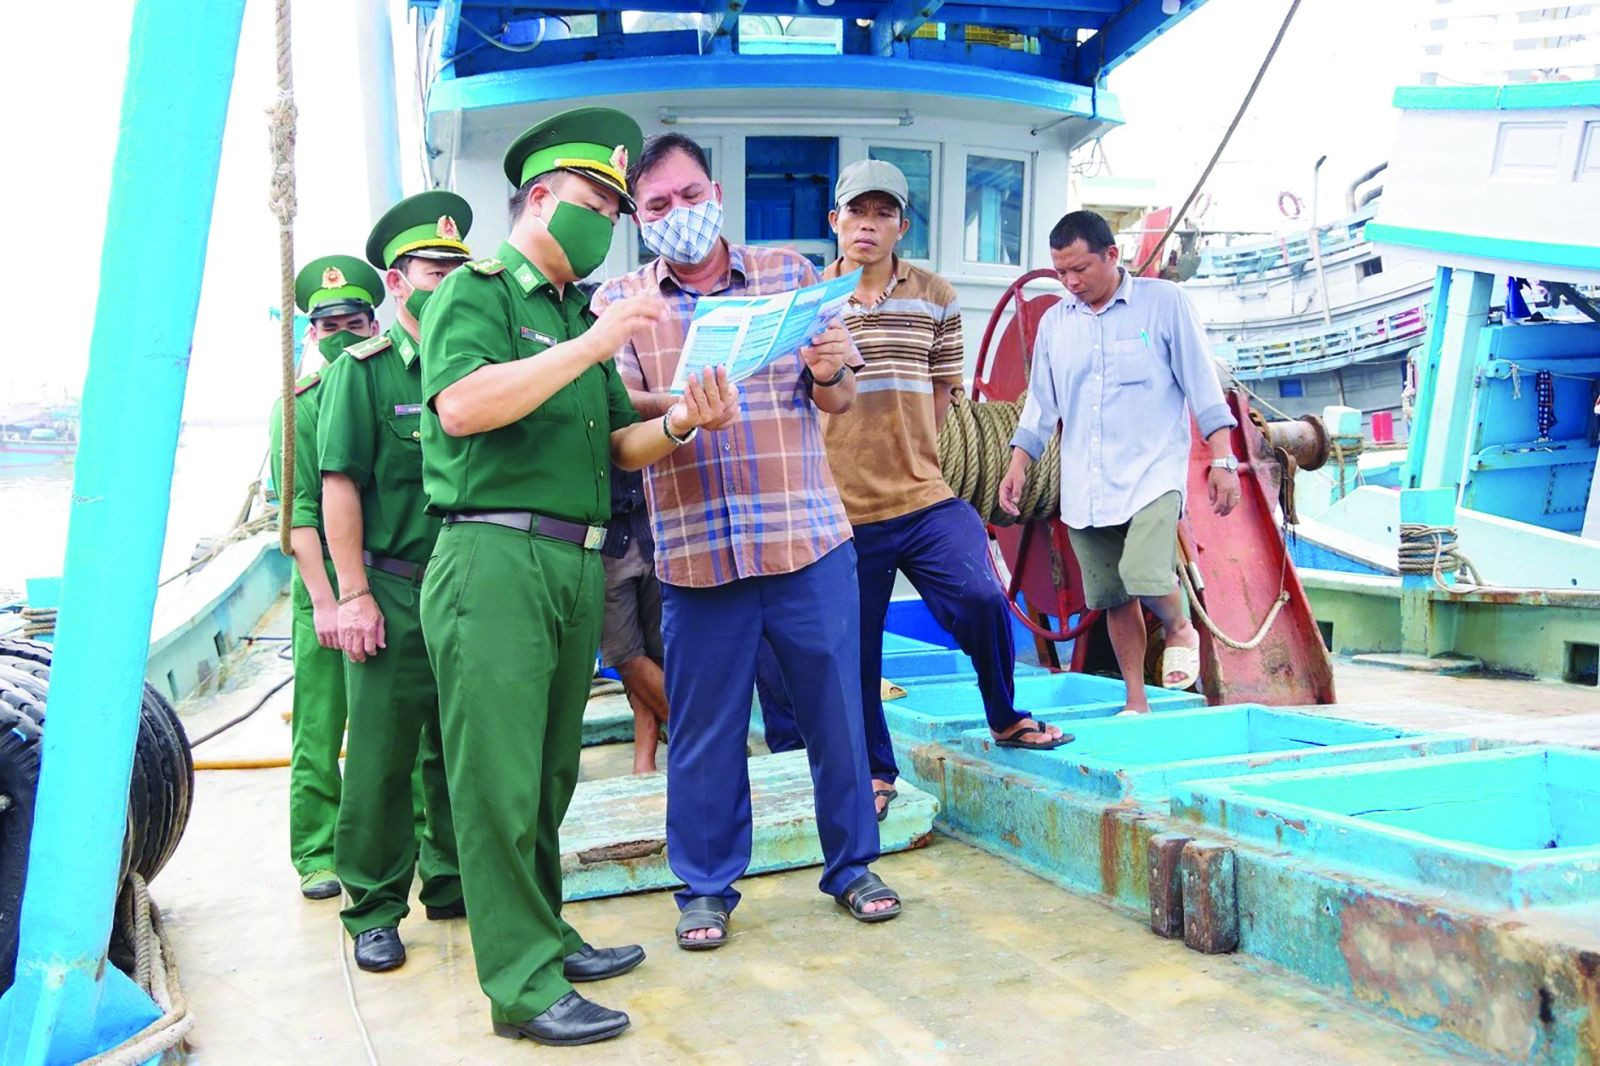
[754,499]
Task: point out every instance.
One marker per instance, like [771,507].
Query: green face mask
[415,301]
[334,346]
[583,234]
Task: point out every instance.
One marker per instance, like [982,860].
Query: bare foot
[703,934]
[876,905]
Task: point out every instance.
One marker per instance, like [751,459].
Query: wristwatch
[811,379]
[666,427]
[1227,462]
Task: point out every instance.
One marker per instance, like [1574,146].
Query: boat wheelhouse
[979,104]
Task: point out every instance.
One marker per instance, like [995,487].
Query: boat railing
[1504,42]
[1288,251]
[1364,338]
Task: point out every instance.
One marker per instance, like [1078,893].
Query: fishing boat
[1318,318]
[40,434]
[1359,864]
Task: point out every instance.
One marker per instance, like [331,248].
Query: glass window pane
[645,254]
[917,165]
[992,231]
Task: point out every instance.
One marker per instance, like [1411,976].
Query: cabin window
[1291,388]
[788,191]
[992,228]
[645,254]
[917,165]
[1368,267]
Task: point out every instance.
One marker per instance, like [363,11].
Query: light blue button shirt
[1121,381]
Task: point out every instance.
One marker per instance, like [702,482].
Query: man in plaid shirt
[751,541]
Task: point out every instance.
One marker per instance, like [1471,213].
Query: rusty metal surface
[1305,438]
[1244,563]
[1210,898]
[1522,987]
[1166,884]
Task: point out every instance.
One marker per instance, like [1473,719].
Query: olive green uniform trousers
[316,732]
[513,624]
[394,713]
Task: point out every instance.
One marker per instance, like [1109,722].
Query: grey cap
[872,175]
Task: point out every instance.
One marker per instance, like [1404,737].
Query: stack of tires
[159,794]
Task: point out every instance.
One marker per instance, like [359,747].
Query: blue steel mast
[67,1002]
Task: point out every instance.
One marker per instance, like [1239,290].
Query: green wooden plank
[614,839]
[607,720]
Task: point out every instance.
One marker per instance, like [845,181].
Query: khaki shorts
[632,625]
[1137,558]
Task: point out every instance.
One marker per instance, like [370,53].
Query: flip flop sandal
[868,888]
[1048,744]
[1129,712]
[703,912]
[889,796]
[888,690]
[1185,662]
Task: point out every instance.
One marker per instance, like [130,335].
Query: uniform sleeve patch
[306,383]
[486,266]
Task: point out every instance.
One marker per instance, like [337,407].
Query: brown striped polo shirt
[885,451]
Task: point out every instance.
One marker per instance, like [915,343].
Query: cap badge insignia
[333,278]
[447,228]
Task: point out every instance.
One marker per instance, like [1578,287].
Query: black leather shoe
[444,914]
[596,964]
[380,949]
[570,1020]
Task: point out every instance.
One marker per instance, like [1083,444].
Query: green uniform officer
[381,535]
[339,293]
[525,412]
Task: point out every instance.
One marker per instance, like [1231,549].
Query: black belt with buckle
[590,538]
[398,567]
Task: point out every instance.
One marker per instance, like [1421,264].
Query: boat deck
[988,960]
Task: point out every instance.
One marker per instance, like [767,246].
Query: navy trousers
[777,712]
[712,636]
[944,550]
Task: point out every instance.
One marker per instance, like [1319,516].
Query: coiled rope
[281,127]
[1433,550]
[38,622]
[156,971]
[975,451]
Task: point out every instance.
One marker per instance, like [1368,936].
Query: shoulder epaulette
[486,266]
[368,348]
[308,382]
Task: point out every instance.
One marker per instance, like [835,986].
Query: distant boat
[38,435]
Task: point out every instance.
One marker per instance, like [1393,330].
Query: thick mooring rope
[1211,626]
[155,971]
[1346,448]
[974,452]
[281,125]
[1433,550]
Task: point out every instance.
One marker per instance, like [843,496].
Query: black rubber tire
[20,739]
[161,789]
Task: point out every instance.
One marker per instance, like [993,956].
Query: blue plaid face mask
[686,235]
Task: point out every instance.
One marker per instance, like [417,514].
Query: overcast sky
[1329,92]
